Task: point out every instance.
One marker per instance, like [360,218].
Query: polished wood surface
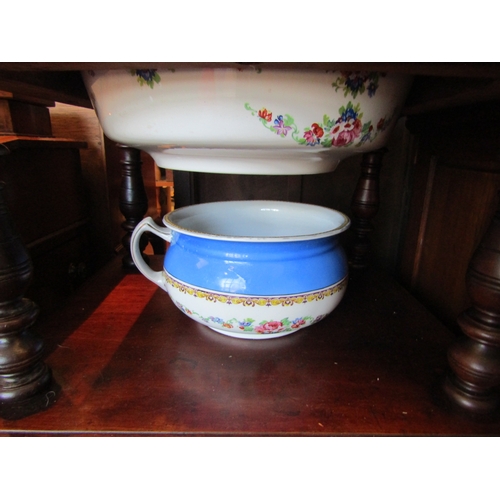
[116,192]
[42,210]
[47,201]
[454,186]
[130,363]
[475,357]
[21,116]
[133,197]
[82,124]
[365,204]
[23,374]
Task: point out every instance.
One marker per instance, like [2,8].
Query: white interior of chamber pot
[257,219]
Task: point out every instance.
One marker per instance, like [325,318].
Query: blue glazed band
[256,268]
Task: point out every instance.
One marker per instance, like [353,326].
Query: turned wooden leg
[25,380]
[475,358]
[365,204]
[133,198]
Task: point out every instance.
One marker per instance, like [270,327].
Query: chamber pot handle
[148,225]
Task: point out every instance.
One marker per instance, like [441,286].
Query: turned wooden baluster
[475,357]
[133,198]
[25,380]
[365,204]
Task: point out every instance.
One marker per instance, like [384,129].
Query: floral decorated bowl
[248,120]
[250,269]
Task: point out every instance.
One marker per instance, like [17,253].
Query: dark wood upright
[133,198]
[25,380]
[475,358]
[450,256]
[364,206]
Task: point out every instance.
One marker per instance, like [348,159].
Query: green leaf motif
[249,108]
[366,127]
[288,121]
[312,135]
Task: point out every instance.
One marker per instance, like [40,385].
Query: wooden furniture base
[474,359]
[365,205]
[133,198]
[130,363]
[25,380]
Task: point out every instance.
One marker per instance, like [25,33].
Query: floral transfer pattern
[250,325]
[357,82]
[255,301]
[146,76]
[347,129]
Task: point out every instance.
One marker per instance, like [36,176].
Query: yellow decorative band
[287,300]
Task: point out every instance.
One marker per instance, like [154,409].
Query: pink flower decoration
[270,327]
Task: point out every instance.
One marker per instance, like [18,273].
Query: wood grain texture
[113,157]
[130,363]
[24,118]
[23,374]
[475,357]
[48,204]
[365,205]
[82,124]
[455,184]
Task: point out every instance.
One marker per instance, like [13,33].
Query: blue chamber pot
[256,268]
[229,255]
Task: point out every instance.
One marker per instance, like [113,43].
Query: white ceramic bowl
[251,269]
[248,121]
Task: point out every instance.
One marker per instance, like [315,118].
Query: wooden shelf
[128,362]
